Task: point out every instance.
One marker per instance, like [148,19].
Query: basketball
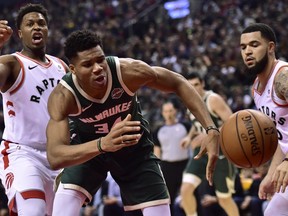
[248,138]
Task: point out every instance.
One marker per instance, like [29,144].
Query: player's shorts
[224,175]
[142,184]
[26,170]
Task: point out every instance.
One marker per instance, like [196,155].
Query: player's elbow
[53,160]
[54,165]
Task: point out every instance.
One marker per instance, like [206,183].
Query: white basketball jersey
[25,103]
[274,107]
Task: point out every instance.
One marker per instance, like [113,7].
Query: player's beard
[259,66]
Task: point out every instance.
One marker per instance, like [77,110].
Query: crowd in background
[205,41]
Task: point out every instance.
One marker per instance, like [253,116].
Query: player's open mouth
[100,80]
[37,38]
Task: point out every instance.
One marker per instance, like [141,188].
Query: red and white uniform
[23,164]
[274,107]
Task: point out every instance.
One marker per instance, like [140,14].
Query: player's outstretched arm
[267,188]
[280,175]
[168,81]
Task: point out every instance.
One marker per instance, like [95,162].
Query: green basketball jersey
[98,116]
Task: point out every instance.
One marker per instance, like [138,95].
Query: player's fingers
[284,183]
[128,117]
[126,144]
[279,183]
[125,127]
[184,143]
[275,180]
[201,153]
[269,196]
[262,195]
[4,22]
[283,188]
[127,138]
[210,169]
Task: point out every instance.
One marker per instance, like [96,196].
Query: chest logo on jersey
[32,67]
[117,93]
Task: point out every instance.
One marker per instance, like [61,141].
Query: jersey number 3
[104,128]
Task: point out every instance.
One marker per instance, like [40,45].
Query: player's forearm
[63,155]
[198,108]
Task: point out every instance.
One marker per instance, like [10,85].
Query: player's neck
[264,76]
[38,55]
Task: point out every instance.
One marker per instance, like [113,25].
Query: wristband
[212,128]
[99,146]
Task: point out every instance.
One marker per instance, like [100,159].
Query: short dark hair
[194,75]
[79,41]
[28,8]
[266,31]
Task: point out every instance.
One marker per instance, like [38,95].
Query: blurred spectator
[173,156]
[206,40]
[247,186]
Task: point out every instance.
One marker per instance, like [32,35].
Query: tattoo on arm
[281,84]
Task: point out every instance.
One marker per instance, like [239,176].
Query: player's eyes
[29,24]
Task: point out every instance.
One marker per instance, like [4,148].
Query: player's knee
[187,189]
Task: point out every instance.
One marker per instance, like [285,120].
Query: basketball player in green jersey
[108,131]
[194,174]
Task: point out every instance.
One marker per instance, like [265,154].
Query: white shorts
[26,170]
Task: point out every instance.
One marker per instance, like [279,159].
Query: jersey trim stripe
[33,194]
[62,82]
[45,65]
[5,154]
[118,70]
[21,76]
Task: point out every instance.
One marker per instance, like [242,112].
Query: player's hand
[210,145]
[280,177]
[185,142]
[5,32]
[208,200]
[266,188]
[246,202]
[123,134]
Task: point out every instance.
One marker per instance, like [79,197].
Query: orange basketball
[248,138]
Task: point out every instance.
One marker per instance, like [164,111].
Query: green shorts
[224,175]
[141,183]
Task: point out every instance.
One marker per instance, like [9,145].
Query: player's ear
[272,47]
[72,68]
[20,34]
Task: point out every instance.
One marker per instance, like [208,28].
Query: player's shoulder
[282,75]
[8,58]
[213,96]
[62,95]
[130,62]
